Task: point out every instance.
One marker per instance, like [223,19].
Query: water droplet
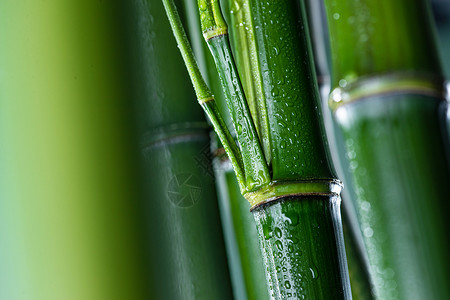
[239,128]
[278,232]
[365,205]
[314,272]
[202,5]
[336,16]
[290,248]
[267,232]
[287,284]
[276,50]
[351,154]
[236,5]
[363,38]
[275,91]
[353,165]
[279,245]
[368,232]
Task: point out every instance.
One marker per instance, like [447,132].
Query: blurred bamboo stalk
[388,99]
[186,238]
[354,247]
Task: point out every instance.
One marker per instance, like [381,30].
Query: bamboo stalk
[387,99]
[189,260]
[284,66]
[246,263]
[354,247]
[307,189]
[241,238]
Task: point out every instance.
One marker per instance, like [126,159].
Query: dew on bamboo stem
[286,235]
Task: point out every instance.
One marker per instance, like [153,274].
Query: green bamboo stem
[311,180]
[189,259]
[388,100]
[293,233]
[242,33]
[255,166]
[203,93]
[290,93]
[241,237]
[369,45]
[283,63]
[354,247]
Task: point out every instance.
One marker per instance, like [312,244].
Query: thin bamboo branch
[204,95]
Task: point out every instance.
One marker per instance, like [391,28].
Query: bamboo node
[214,32]
[387,84]
[278,190]
[204,100]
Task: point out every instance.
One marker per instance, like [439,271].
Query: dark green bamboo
[294,233]
[182,212]
[354,247]
[388,100]
[294,255]
[290,93]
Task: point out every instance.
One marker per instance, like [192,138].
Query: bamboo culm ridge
[289,172]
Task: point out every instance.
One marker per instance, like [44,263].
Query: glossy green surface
[290,92]
[211,18]
[255,166]
[242,35]
[358,270]
[400,167]
[303,248]
[244,256]
[394,142]
[372,36]
[280,62]
[241,239]
[189,260]
[68,175]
